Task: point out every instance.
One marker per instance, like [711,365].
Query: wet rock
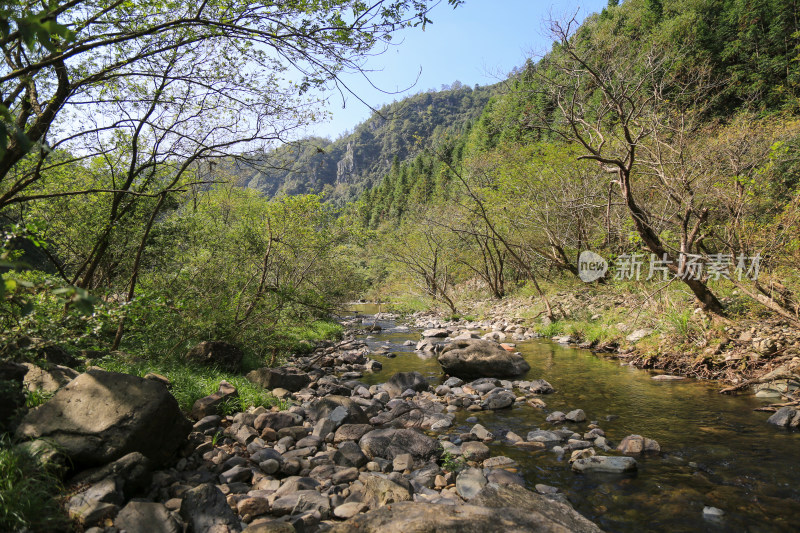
[389,443]
[541,435]
[498,400]
[481,432]
[290,379]
[101,416]
[667,377]
[205,508]
[469,482]
[435,332]
[210,405]
[216,353]
[556,417]
[402,381]
[636,444]
[504,477]
[786,417]
[713,513]
[575,416]
[475,451]
[604,463]
[147,517]
[477,358]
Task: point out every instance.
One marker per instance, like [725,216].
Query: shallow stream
[716,451]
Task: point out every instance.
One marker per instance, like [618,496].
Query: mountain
[344,168]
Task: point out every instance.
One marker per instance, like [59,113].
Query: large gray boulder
[476,358]
[389,443]
[101,416]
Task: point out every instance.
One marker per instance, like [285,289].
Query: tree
[633,110]
[252,57]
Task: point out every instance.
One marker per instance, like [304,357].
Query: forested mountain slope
[353,163]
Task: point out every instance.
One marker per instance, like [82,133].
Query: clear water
[740,464]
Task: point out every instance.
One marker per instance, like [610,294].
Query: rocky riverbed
[352,451]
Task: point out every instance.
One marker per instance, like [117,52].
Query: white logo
[591,266]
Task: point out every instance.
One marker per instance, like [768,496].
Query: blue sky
[479,42]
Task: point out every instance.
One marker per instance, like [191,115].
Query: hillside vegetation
[344,168]
[661,135]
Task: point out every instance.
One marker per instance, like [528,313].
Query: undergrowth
[28,491]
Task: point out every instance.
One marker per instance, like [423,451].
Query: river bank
[669,334]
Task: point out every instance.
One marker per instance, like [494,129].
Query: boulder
[300,502]
[210,405]
[325,406]
[475,358]
[636,444]
[379,490]
[101,416]
[221,354]
[786,417]
[205,508]
[389,443]
[515,497]
[134,471]
[48,380]
[147,517]
[469,482]
[291,379]
[604,463]
[402,381]
[475,451]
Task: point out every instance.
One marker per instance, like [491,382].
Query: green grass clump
[28,492]
[552,329]
[191,382]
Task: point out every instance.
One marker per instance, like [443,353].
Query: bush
[28,493]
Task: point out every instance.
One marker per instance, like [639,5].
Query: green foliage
[35,398]
[451,463]
[28,491]
[189,382]
[552,329]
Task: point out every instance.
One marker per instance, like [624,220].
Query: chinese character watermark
[592,267]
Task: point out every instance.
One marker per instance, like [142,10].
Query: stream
[715,450]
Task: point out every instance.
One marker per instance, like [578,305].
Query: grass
[192,382]
[28,492]
[552,329]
